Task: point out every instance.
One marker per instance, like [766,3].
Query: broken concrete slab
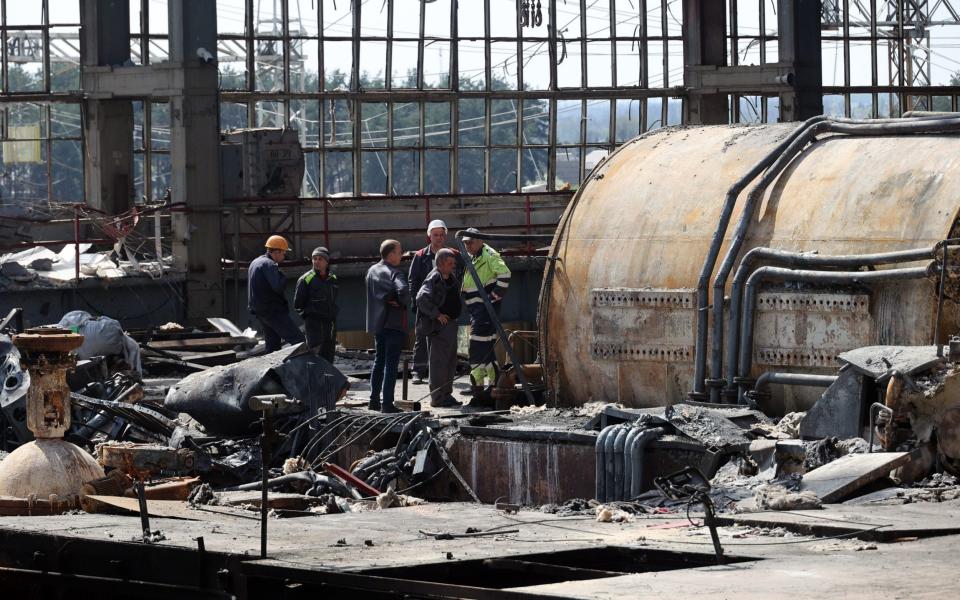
[836,480]
[878,362]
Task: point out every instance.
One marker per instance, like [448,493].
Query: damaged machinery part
[815,277]
[268,405]
[775,377]
[691,486]
[942,245]
[792,259]
[772,166]
[619,460]
[504,340]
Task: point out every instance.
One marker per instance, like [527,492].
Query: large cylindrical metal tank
[618,306]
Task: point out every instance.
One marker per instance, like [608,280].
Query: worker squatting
[435,288]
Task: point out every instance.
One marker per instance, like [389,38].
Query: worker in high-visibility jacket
[495,280]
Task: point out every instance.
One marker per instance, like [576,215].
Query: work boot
[447,402]
[373,405]
[389,409]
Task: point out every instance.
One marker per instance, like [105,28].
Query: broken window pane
[503,65]
[472,67]
[270,114]
[568,169]
[598,121]
[337,18]
[536,65]
[373,19]
[470,171]
[233,115]
[406,124]
[628,19]
[472,130]
[568,121]
[437,123]
[232,64]
[436,64]
[536,121]
[628,64]
[436,172]
[373,173]
[24,13]
[337,64]
[373,63]
[160,176]
[231,16]
[438,17]
[338,173]
[503,122]
[269,65]
[64,59]
[404,69]
[598,18]
[24,61]
[160,126]
[406,173]
[301,16]
[470,19]
[568,64]
[503,18]
[65,120]
[628,119]
[63,12]
[267,18]
[305,118]
[159,19]
[67,178]
[337,122]
[598,64]
[310,188]
[534,163]
[503,170]
[304,66]
[373,124]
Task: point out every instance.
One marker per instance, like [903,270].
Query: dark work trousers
[277,328]
[420,360]
[442,349]
[321,337]
[483,340]
[383,378]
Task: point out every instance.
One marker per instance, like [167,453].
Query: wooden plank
[217,343]
[169,509]
[836,480]
[210,359]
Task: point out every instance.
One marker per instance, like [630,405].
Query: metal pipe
[781,378]
[628,463]
[703,298]
[618,446]
[817,277]
[609,445]
[600,451]
[794,259]
[777,161]
[640,444]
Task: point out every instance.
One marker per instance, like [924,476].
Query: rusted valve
[45,353]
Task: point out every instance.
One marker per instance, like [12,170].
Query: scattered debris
[777,497]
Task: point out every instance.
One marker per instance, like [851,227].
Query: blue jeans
[278,328]
[388,344]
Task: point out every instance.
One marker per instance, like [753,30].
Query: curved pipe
[600,476]
[777,161]
[777,377]
[609,452]
[703,282]
[618,473]
[794,259]
[640,444]
[819,277]
[628,462]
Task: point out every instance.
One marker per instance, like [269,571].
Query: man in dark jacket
[315,300]
[421,266]
[388,299]
[265,296]
[438,306]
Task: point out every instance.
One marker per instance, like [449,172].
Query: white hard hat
[434,224]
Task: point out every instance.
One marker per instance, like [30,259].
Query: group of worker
[435,288]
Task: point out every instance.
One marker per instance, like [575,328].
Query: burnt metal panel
[625,321]
[810,329]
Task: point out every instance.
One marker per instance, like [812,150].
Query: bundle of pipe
[619,456]
[771,167]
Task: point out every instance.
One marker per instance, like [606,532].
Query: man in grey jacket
[438,306]
[388,299]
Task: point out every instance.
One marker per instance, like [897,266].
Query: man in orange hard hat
[266,298]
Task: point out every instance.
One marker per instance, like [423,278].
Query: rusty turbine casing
[618,308]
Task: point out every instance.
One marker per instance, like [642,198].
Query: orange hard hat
[277,242]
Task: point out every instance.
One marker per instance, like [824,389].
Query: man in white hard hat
[421,265]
